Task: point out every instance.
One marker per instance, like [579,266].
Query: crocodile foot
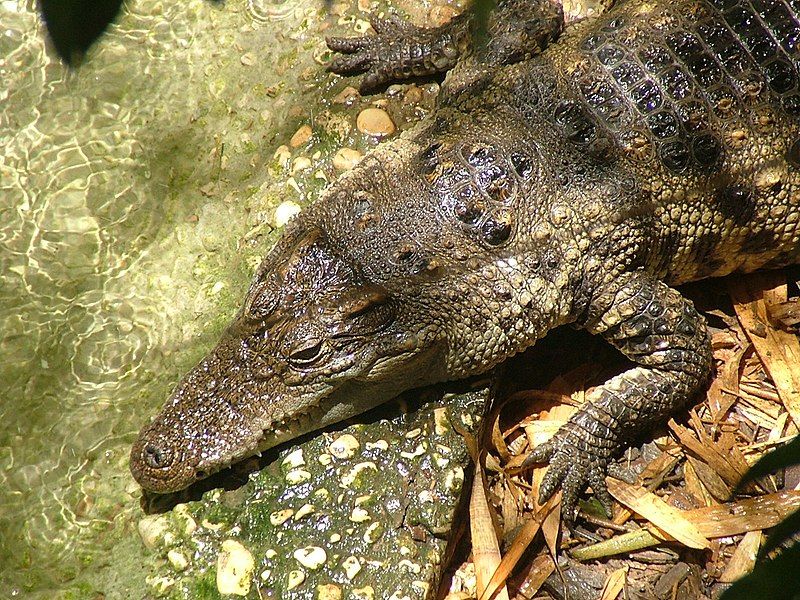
[399,50]
[576,460]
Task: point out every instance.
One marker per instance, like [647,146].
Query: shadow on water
[74,25]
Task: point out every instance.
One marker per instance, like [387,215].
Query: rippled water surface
[132,193]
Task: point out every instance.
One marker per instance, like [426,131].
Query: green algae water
[135,199]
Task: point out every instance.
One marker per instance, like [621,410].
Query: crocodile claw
[397,50]
[575,464]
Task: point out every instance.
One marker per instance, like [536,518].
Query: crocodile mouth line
[272,435]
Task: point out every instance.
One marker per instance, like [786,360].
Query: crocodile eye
[305,352]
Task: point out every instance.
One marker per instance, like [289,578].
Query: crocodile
[568,183]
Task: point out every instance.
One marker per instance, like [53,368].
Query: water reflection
[116,271]
[263,11]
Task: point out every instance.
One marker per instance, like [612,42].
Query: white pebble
[285,212]
[152,530]
[301,163]
[304,510]
[283,155]
[295,578]
[297,476]
[177,560]
[349,477]
[235,566]
[294,459]
[359,515]
[346,158]
[311,557]
[279,517]
[351,566]
[344,446]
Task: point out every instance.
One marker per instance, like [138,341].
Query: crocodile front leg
[659,330]
[516,29]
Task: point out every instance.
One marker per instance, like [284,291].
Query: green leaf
[780,458]
[780,533]
[775,579]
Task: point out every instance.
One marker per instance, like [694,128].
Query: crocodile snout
[156,464]
[157,456]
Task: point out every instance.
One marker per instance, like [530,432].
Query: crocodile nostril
[157,458]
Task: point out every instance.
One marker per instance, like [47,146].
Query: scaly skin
[651,146]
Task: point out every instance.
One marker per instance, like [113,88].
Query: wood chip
[695,487]
[705,449]
[711,481]
[743,559]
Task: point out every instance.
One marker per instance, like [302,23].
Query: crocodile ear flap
[362,310]
[360,299]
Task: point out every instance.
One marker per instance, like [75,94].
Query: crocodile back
[700,102]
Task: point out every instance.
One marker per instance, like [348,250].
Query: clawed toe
[573,470]
[391,25]
[349,64]
[348,45]
[597,480]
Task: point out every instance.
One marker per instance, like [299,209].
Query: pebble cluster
[345,515]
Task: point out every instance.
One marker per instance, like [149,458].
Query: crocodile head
[373,290]
[315,343]
[317,340]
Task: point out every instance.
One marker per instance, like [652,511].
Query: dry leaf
[485,549]
[517,549]
[667,518]
[614,584]
[743,559]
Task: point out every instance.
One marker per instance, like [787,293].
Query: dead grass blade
[615,583]
[662,515]
[517,549]
[485,548]
[778,350]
